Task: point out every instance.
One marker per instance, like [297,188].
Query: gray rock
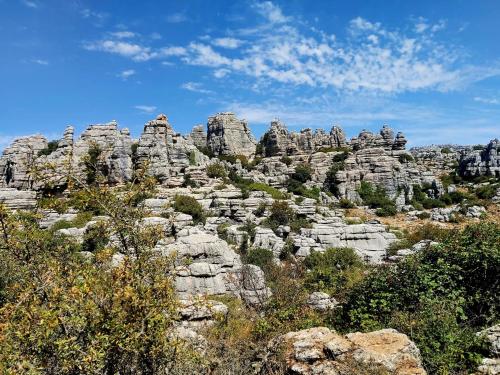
[227,135]
[18,199]
[321,301]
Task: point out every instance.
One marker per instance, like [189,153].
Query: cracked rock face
[227,135]
[206,265]
[484,162]
[322,351]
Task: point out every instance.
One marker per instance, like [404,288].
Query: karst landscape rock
[252,226]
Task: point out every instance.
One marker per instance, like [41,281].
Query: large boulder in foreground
[227,135]
[322,351]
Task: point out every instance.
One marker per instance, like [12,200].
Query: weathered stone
[229,136]
[321,301]
[322,351]
[484,162]
[18,199]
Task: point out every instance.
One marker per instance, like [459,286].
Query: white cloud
[97,18]
[195,87]
[487,100]
[123,34]
[134,51]
[126,74]
[176,18]
[40,62]
[230,43]
[155,36]
[30,4]
[146,108]
[271,12]
[172,51]
[221,73]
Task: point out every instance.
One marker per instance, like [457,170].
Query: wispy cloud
[126,74]
[271,12]
[40,62]
[123,34]
[480,99]
[97,18]
[146,108]
[176,18]
[195,87]
[30,4]
[230,43]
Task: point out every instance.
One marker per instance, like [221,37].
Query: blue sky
[428,68]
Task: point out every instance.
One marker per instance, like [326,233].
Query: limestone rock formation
[206,265]
[322,351]
[484,162]
[18,199]
[227,135]
[279,141]
[199,136]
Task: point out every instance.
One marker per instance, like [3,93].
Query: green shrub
[192,158]
[273,192]
[296,187]
[286,160]
[51,147]
[91,162]
[303,173]
[206,151]
[376,198]
[405,158]
[297,223]
[346,203]
[438,296]
[446,150]
[189,205]
[216,170]
[281,214]
[333,271]
[95,238]
[486,191]
[188,181]
[478,147]
[260,257]
[331,181]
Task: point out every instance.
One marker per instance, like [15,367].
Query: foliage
[216,170]
[259,257]
[273,192]
[346,203]
[296,187]
[233,158]
[376,198]
[331,181]
[303,173]
[51,147]
[405,158]
[286,160]
[446,150]
[91,160]
[487,191]
[188,181]
[459,276]
[281,214]
[333,271]
[62,313]
[79,221]
[189,205]
[192,158]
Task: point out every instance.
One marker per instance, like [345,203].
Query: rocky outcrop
[322,351]
[18,161]
[227,135]
[279,141]
[18,199]
[491,365]
[385,140]
[321,301]
[199,136]
[484,162]
[206,265]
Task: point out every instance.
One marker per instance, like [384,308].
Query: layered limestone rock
[18,161]
[279,141]
[322,351]
[199,136]
[166,154]
[227,135]
[385,140]
[438,159]
[206,265]
[113,150]
[18,199]
[370,241]
[484,162]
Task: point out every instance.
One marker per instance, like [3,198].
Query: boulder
[322,351]
[18,199]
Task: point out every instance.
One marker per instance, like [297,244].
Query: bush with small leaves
[189,205]
[216,170]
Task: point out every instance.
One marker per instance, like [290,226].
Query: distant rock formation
[484,162]
[384,140]
[199,136]
[227,135]
[279,141]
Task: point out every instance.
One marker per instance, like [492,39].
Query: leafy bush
[405,158]
[281,214]
[376,198]
[51,147]
[486,191]
[346,203]
[192,158]
[233,158]
[331,181]
[286,160]
[260,257]
[333,271]
[437,296]
[91,161]
[273,192]
[446,150]
[296,187]
[303,173]
[189,205]
[216,170]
